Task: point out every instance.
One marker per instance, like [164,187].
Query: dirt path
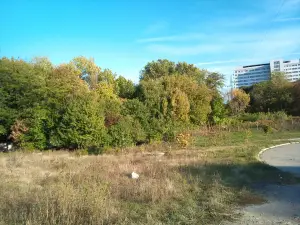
[283,201]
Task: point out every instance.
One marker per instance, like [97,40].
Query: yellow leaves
[240,101]
[183,139]
[180,105]
[17,129]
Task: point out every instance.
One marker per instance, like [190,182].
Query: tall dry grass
[201,183]
[61,188]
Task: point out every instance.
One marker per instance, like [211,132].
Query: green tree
[22,88]
[80,125]
[295,106]
[125,88]
[183,68]
[214,80]
[218,110]
[157,69]
[273,95]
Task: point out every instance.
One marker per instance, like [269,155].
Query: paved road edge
[275,146]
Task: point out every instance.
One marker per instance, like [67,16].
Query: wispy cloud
[222,62]
[291,4]
[287,19]
[184,50]
[254,36]
[288,9]
[247,45]
[183,37]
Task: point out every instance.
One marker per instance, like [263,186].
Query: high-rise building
[252,74]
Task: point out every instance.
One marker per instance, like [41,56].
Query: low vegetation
[201,182]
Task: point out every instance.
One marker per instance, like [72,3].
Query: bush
[267,129]
[81,152]
[273,116]
[249,117]
[126,132]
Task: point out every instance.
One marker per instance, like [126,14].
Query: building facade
[252,74]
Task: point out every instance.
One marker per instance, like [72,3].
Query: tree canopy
[79,105]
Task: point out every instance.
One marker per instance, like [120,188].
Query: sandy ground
[283,201]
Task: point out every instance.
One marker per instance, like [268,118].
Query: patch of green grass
[253,136]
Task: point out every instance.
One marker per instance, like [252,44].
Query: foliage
[214,80]
[267,129]
[239,102]
[271,96]
[157,69]
[183,139]
[78,105]
[218,112]
[295,106]
[125,88]
[126,132]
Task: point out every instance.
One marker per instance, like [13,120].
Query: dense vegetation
[275,95]
[79,105]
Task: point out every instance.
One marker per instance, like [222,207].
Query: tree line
[276,94]
[79,105]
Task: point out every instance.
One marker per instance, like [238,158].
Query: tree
[218,110]
[271,96]
[180,105]
[295,106]
[183,68]
[214,80]
[107,76]
[125,88]
[157,69]
[239,102]
[80,125]
[89,71]
[22,88]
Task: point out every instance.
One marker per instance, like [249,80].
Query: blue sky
[124,35]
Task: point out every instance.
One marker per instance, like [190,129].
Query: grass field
[201,184]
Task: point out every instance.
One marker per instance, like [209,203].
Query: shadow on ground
[255,177]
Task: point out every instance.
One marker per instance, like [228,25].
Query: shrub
[250,117]
[267,129]
[183,139]
[81,152]
[126,132]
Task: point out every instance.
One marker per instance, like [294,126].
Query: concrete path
[286,158]
[283,206]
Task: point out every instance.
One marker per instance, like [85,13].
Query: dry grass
[196,185]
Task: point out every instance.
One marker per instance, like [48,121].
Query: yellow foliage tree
[239,102]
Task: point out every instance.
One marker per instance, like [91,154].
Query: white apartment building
[252,74]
